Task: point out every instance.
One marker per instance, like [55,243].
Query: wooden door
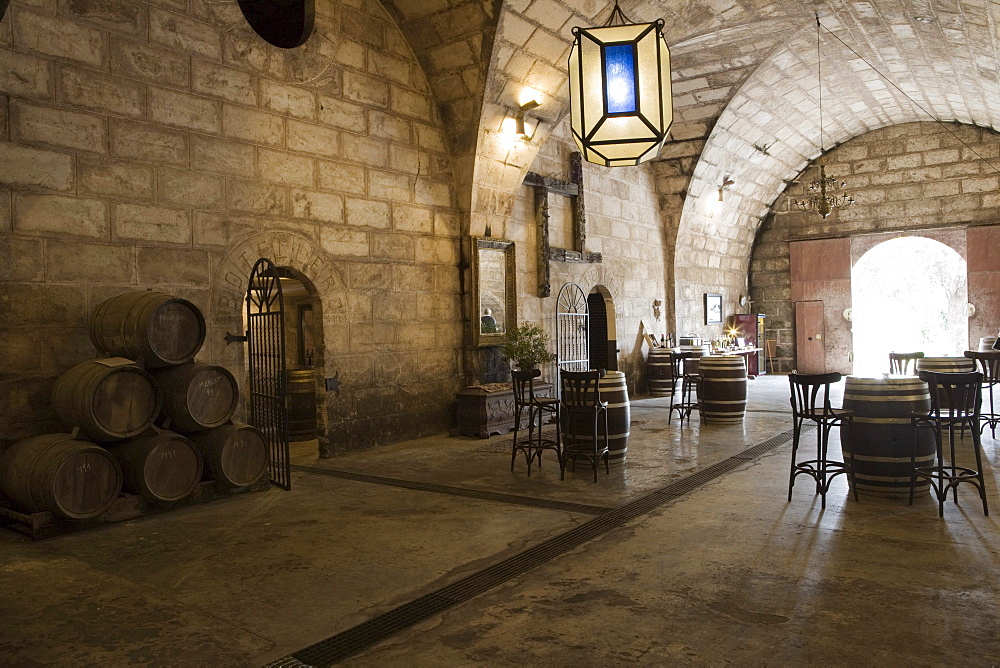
[810,346]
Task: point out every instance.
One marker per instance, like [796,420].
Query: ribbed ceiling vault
[744,72]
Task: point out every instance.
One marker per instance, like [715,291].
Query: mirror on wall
[495,295]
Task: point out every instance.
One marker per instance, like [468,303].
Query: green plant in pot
[525,347]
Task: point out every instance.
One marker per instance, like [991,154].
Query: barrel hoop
[882,420]
[887,397]
[893,460]
[716,379]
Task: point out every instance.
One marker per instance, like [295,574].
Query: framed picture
[713,309]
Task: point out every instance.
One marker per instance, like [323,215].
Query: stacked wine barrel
[146,418]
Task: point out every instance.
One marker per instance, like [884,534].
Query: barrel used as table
[986,344]
[659,372]
[613,390]
[946,365]
[723,394]
[71,478]
[697,350]
[882,436]
[110,399]
[154,327]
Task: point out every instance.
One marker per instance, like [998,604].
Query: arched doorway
[603,339]
[908,294]
[302,344]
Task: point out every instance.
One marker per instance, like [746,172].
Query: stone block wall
[623,223]
[905,178]
[163,145]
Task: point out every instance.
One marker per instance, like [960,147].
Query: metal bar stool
[539,410]
[989,365]
[688,363]
[899,363]
[806,405]
[955,402]
[581,409]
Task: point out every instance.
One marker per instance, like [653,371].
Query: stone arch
[285,249]
[608,283]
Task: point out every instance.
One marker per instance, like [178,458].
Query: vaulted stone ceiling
[744,72]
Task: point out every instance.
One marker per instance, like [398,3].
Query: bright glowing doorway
[908,294]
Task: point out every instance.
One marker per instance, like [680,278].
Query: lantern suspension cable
[621,105]
[825,197]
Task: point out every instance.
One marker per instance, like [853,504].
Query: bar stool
[690,382]
[899,363]
[989,364]
[805,391]
[676,373]
[582,408]
[539,410]
[955,402]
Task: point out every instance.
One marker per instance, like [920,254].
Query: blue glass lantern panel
[619,78]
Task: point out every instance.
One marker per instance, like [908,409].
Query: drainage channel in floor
[370,633]
[529,501]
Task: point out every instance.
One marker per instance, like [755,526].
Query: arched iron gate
[268,410]
[572,329]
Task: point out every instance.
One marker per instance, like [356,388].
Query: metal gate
[572,329]
[266,367]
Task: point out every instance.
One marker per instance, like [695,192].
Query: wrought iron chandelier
[826,195]
[621,104]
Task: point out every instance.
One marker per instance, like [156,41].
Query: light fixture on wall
[621,105]
[519,127]
[726,182]
[825,196]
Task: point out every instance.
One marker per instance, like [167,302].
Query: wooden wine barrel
[659,372]
[154,327]
[723,393]
[698,351]
[945,365]
[109,399]
[882,436]
[986,344]
[71,478]
[163,467]
[613,390]
[235,454]
[301,405]
[197,396]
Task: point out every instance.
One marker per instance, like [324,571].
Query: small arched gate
[267,380]
[572,329]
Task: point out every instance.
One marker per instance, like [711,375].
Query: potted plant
[525,347]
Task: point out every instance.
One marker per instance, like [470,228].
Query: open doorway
[603,338]
[908,294]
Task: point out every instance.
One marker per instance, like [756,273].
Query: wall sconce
[726,182]
[519,129]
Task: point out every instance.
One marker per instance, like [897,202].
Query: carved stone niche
[545,186]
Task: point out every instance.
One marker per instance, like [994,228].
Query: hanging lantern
[619,86]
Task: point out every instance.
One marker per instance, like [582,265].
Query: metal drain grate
[370,633]
[529,501]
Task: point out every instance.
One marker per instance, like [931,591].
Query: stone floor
[728,573]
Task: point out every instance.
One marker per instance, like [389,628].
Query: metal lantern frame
[626,126]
